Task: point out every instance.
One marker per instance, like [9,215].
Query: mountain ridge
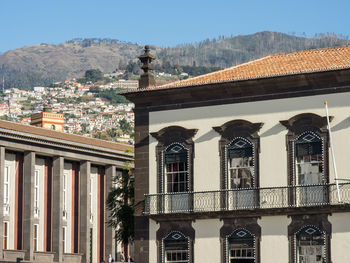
[43,64]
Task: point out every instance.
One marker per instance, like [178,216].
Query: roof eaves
[236,80]
[65,142]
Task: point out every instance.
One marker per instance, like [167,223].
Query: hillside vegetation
[44,64]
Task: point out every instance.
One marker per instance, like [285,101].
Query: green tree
[125,126]
[84,128]
[101,136]
[93,75]
[112,132]
[120,202]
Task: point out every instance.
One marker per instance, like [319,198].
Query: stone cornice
[242,91]
[64,145]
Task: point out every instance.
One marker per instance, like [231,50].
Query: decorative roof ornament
[146,80]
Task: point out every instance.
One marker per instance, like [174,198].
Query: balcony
[250,199]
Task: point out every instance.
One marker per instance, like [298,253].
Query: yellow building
[48,120]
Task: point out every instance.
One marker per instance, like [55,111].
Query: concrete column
[109,231]
[2,170]
[57,208]
[28,204]
[84,244]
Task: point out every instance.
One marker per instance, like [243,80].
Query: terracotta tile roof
[275,65]
[32,131]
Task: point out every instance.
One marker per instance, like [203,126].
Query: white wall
[10,162]
[40,167]
[274,239]
[93,176]
[153,228]
[68,171]
[340,241]
[207,240]
[273,156]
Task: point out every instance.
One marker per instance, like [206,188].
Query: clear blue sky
[163,22]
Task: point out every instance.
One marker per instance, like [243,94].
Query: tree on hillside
[125,126]
[93,75]
[120,202]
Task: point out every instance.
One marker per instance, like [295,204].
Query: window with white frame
[6,235]
[176,248]
[64,195]
[309,159]
[310,245]
[36,193]
[64,239]
[176,169]
[241,248]
[240,164]
[35,236]
[6,191]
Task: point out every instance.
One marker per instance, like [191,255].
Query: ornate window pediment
[172,134]
[306,122]
[238,128]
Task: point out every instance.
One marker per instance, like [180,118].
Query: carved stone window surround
[232,224]
[168,227]
[167,137]
[319,221]
[231,131]
[299,125]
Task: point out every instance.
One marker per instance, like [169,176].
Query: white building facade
[235,166]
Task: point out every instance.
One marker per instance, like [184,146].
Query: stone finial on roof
[147,79]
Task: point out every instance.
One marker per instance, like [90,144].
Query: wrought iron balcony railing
[247,199]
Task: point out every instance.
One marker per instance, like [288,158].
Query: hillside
[43,64]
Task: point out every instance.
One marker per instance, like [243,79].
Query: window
[240,164]
[176,248]
[36,193]
[53,127]
[6,191]
[310,245]
[308,159]
[35,237]
[239,154]
[240,247]
[64,239]
[307,149]
[6,235]
[176,169]
[174,153]
[64,216]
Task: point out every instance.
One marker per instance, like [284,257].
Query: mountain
[43,64]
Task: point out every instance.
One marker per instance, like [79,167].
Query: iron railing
[247,199]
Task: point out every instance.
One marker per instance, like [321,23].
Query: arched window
[308,159]
[241,247]
[307,149]
[310,245]
[176,248]
[176,169]
[239,154]
[240,164]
